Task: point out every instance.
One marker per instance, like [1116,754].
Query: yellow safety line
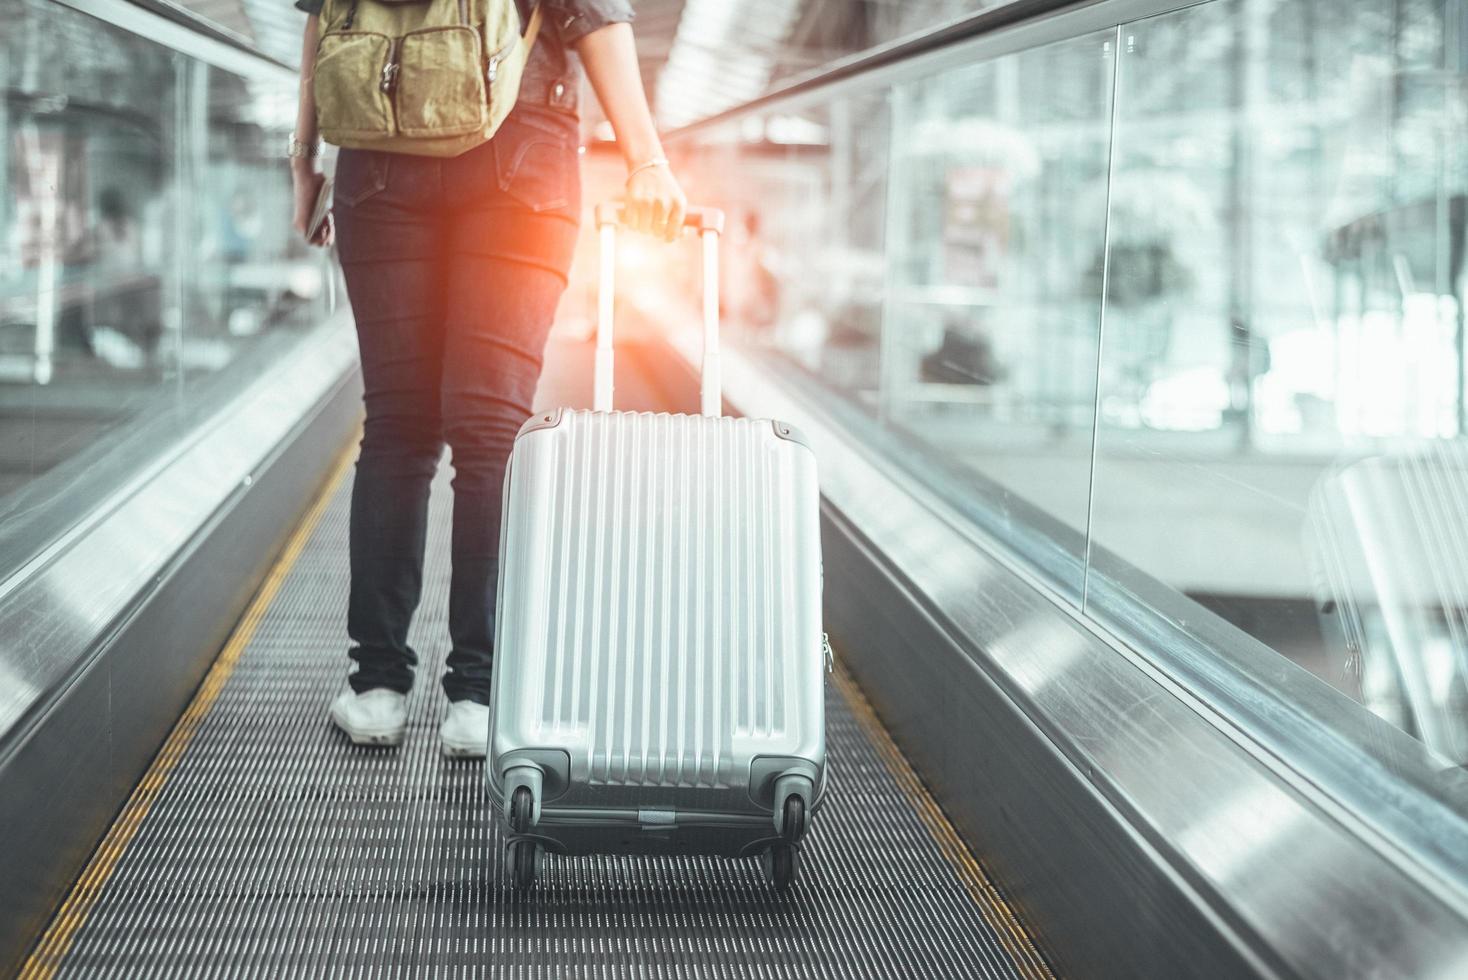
[991,903]
[46,958]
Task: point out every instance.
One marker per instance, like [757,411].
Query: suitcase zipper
[826,652]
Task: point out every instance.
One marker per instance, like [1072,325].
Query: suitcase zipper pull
[826,652]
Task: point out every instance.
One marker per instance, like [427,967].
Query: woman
[454,267]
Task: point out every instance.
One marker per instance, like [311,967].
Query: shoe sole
[458,750]
[390,736]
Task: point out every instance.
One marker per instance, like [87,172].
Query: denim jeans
[454,268]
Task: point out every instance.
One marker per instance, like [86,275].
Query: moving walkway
[261,843]
[1092,715]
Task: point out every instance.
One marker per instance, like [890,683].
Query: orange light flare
[658,282]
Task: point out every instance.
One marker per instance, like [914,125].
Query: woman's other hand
[655,202]
[307,184]
[305,178]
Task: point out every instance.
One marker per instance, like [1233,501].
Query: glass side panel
[998,208]
[147,265]
[253,285]
[88,142]
[931,253]
[1282,380]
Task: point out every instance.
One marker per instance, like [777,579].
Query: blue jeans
[454,268]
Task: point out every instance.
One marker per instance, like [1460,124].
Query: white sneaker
[465,732]
[375,717]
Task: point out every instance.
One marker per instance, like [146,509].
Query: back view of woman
[454,266]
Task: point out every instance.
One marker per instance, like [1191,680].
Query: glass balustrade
[1185,296]
[148,270]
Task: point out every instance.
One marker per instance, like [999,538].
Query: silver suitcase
[659,655]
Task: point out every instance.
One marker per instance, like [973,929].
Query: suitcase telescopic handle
[696,218]
[708,223]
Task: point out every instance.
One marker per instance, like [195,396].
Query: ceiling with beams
[698,56]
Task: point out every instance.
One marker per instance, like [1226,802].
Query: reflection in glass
[147,267]
[1282,381]
[999,216]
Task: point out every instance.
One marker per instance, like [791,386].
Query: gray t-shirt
[552,76]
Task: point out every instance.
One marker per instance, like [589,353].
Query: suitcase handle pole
[709,223]
[710,380]
[601,400]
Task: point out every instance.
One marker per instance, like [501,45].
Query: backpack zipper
[390,70]
[351,16]
[492,69]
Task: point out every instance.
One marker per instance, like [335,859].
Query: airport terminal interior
[1129,338]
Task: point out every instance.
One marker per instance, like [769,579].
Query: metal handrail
[203,25]
[965,28]
[177,28]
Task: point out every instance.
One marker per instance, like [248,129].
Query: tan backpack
[428,77]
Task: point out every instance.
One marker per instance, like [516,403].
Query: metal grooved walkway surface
[274,848]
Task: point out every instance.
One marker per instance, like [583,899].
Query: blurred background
[1147,316]
[1185,299]
[147,267]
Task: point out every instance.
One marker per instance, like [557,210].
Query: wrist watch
[297,150]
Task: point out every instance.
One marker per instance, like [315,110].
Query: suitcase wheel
[793,826]
[522,810]
[780,863]
[524,863]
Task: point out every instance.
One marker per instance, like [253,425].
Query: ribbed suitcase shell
[659,635]
[1389,548]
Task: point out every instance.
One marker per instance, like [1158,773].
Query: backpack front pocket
[441,84]
[352,100]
